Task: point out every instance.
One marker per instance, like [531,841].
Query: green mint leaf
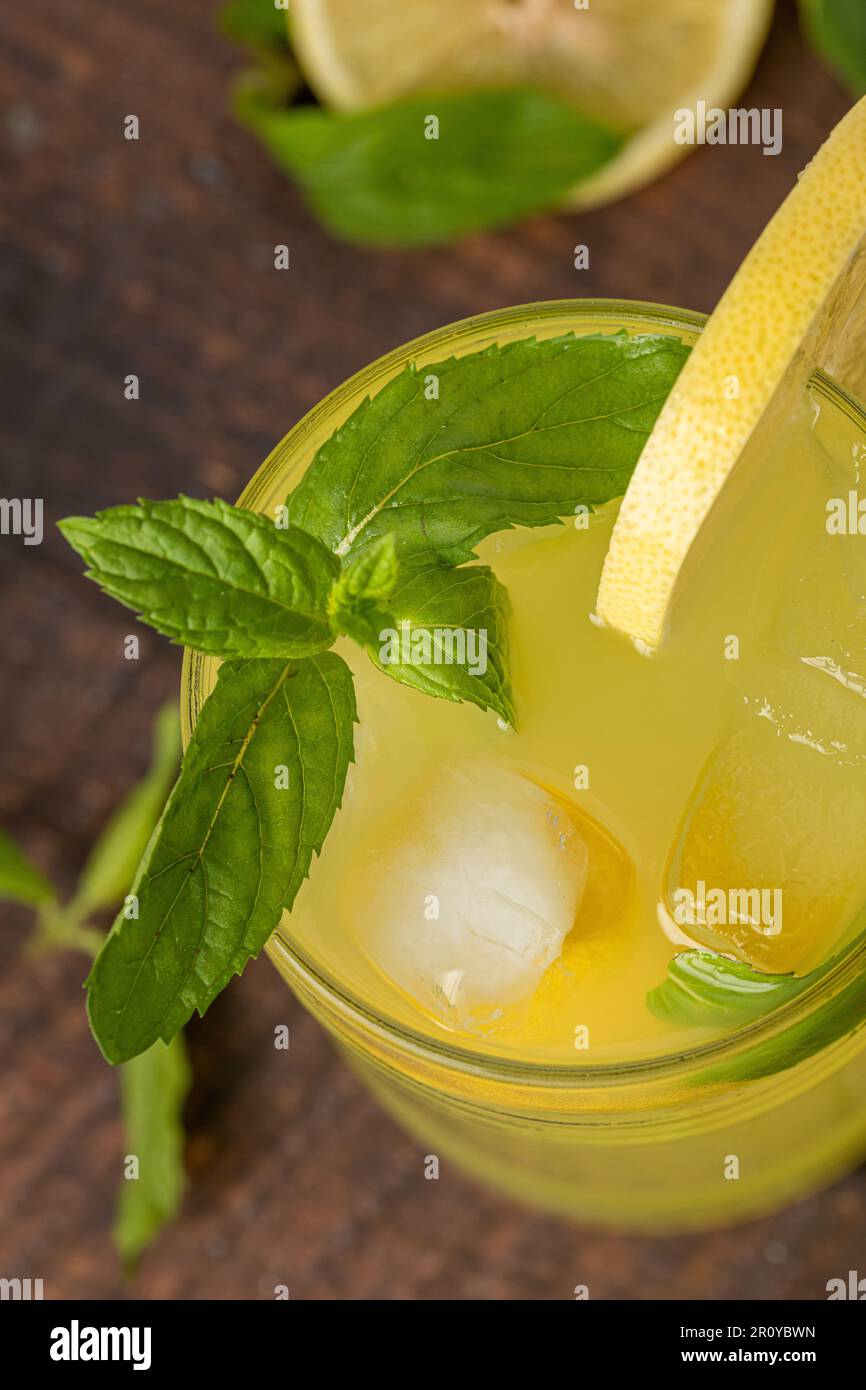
[370,575]
[832,1020]
[21,881]
[708,990]
[114,858]
[259,786]
[256,23]
[445,632]
[367,582]
[213,577]
[153,1090]
[837,30]
[378,177]
[448,453]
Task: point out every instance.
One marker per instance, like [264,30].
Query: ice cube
[473,896]
[768,860]
[770,848]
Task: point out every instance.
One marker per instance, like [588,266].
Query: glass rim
[620,312]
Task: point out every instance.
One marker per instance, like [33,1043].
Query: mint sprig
[379,530]
[383,177]
[224,581]
[153,1087]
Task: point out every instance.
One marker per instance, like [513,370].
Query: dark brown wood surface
[156,258]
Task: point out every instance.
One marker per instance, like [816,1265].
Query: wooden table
[155,257]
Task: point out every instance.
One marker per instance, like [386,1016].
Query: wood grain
[155,257]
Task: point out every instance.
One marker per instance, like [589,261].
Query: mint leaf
[112,861]
[445,632]
[21,881]
[377,177]
[367,582]
[837,29]
[261,780]
[708,990]
[153,1090]
[834,1019]
[257,23]
[371,575]
[518,435]
[440,629]
[213,577]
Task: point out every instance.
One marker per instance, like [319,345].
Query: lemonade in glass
[488,932]
[525,713]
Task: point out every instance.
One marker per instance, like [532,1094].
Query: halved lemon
[797,302]
[629,63]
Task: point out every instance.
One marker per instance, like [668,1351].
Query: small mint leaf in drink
[224,581]
[426,169]
[706,990]
[153,1088]
[259,786]
[21,881]
[367,582]
[445,632]
[837,30]
[112,861]
[515,435]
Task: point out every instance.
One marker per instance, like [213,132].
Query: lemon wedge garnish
[797,302]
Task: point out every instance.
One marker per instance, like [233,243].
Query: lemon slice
[629,64]
[796,303]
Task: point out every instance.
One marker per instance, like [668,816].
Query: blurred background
[155,257]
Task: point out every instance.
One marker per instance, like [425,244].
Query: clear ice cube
[475,893]
[769,861]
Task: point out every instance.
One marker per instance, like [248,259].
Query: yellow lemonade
[497,905]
